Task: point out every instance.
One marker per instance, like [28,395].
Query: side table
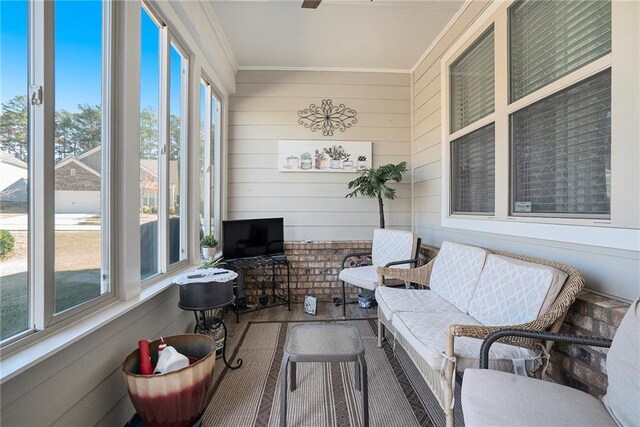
[323,342]
[205,291]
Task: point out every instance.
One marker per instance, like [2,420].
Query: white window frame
[41,231]
[621,231]
[212,171]
[167,39]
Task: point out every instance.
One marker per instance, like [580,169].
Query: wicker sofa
[473,292]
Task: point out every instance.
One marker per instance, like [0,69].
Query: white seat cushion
[392,245]
[492,398]
[392,300]
[623,370]
[362,277]
[511,291]
[427,332]
[456,271]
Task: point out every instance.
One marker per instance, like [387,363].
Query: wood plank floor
[325,311]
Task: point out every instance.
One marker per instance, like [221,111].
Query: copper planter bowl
[178,398]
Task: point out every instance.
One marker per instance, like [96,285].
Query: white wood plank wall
[264,110]
[610,271]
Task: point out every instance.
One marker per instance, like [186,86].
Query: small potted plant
[292,162]
[337,154]
[362,163]
[305,161]
[365,299]
[321,160]
[348,163]
[208,244]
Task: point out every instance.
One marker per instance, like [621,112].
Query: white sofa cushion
[392,245]
[392,300]
[456,271]
[511,291]
[491,398]
[427,334]
[363,277]
[623,370]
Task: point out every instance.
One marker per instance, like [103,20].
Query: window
[55,155]
[549,40]
[472,152]
[163,148]
[532,139]
[149,144]
[209,144]
[14,171]
[561,149]
[472,83]
[472,167]
[177,150]
[81,158]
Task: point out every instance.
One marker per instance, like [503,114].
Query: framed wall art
[323,156]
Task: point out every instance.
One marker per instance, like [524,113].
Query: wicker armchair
[441,382]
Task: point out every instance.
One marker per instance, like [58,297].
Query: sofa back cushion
[623,370]
[392,245]
[455,273]
[511,291]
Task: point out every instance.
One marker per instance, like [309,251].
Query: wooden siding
[264,111]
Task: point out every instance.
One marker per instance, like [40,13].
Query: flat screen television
[245,238]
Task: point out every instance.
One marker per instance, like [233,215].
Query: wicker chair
[441,382]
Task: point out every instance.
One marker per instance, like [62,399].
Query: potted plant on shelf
[337,154]
[372,183]
[321,160]
[208,244]
[362,163]
[292,162]
[305,161]
[348,163]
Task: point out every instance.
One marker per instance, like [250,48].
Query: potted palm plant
[208,244]
[372,183]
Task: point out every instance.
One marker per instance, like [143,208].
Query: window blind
[473,172]
[550,39]
[561,151]
[472,83]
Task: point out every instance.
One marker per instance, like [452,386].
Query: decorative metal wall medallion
[327,117]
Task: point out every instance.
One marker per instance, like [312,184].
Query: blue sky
[78,58]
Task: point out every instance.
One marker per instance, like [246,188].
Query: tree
[148,133]
[65,137]
[14,128]
[372,183]
[88,127]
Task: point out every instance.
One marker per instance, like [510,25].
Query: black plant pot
[365,301]
[264,300]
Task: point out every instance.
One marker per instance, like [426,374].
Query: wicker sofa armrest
[418,275]
[540,335]
[481,332]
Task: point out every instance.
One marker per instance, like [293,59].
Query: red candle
[145,359]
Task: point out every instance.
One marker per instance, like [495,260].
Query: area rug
[249,396]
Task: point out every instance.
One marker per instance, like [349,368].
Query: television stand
[240,265]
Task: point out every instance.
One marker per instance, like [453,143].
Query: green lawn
[72,288]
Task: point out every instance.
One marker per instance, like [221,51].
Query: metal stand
[243,264]
[206,325]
